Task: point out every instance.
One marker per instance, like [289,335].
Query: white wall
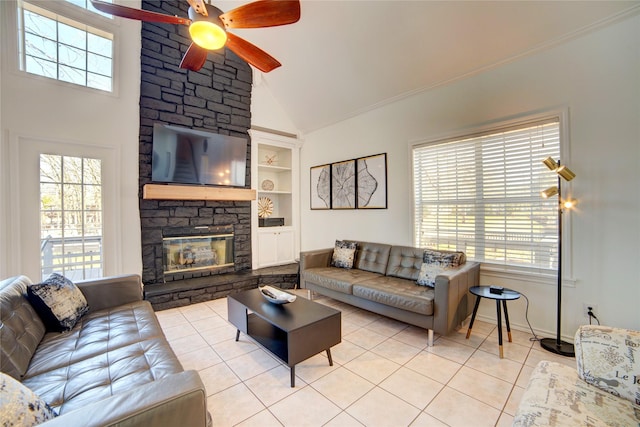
[597,78]
[266,112]
[41,109]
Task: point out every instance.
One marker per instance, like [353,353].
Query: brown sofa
[383,280]
[115,367]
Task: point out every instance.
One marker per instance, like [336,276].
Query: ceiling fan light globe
[207,35]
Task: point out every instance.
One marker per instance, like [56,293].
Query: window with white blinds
[481,194]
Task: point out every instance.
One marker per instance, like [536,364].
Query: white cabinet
[275,175]
[276,246]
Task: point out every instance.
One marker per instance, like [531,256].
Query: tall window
[481,194]
[71,216]
[55,46]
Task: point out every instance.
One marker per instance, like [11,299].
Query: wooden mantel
[193,192]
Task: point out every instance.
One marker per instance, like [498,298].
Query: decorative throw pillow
[21,406]
[58,302]
[445,259]
[428,273]
[434,263]
[343,254]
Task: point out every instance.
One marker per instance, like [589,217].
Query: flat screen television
[189,156]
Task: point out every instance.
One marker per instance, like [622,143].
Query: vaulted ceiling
[346,57]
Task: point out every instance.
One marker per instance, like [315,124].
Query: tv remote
[496,289]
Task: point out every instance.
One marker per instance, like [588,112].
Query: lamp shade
[566,173]
[550,163]
[549,192]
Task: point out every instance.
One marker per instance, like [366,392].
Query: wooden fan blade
[251,53]
[263,13]
[138,14]
[194,58]
[199,7]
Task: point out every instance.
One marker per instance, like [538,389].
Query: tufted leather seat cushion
[20,327]
[338,279]
[96,333]
[405,262]
[372,257]
[104,375]
[399,293]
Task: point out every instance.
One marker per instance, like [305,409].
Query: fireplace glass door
[190,253]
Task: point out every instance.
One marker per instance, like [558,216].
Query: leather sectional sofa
[383,280]
[115,367]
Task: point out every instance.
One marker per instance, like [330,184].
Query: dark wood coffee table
[293,332]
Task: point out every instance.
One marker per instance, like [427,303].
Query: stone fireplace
[217,98]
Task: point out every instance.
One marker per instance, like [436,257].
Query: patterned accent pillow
[434,263]
[343,254]
[58,302]
[428,273]
[445,259]
[21,406]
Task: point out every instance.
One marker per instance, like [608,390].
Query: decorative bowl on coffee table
[276,296]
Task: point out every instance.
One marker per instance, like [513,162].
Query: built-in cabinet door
[267,243]
[276,246]
[285,246]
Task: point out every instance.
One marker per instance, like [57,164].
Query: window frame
[503,271]
[15,56]
[24,235]
[62,210]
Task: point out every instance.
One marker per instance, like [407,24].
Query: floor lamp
[556,345]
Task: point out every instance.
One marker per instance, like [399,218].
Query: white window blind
[481,194]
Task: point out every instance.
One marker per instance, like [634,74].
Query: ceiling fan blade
[251,53]
[199,7]
[194,58]
[263,13]
[138,14]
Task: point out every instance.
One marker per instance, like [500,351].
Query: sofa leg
[309,294]
[430,338]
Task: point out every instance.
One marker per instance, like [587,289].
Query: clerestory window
[58,47]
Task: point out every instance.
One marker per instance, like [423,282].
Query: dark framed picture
[321,187]
[343,185]
[372,182]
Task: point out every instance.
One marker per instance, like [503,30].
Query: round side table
[506,295]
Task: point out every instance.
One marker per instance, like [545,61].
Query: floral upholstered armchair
[603,391]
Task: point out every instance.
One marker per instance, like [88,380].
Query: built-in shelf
[192,192]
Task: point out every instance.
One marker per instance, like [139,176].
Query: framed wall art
[321,187]
[372,182]
[343,185]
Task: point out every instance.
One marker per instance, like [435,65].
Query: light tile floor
[383,373]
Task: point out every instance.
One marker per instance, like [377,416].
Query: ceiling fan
[208,24]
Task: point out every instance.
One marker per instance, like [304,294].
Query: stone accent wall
[218,99]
